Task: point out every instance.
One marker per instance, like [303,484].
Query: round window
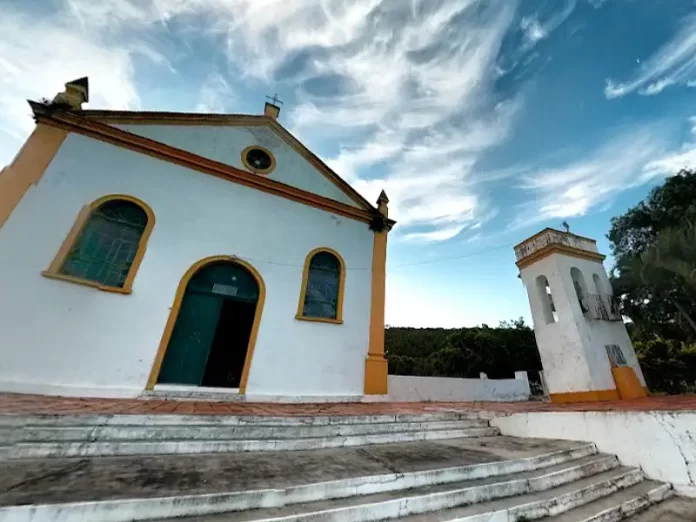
[258,159]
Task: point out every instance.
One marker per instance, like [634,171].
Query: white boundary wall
[662,443]
[408,388]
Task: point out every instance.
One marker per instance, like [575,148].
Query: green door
[191,339]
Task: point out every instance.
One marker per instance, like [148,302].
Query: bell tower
[585,349]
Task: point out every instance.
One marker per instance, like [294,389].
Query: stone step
[299,476]
[538,505]
[25,450]
[354,499]
[620,505]
[18,420]
[675,509]
[561,484]
[143,432]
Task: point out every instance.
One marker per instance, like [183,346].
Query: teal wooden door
[191,339]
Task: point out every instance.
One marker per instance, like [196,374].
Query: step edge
[468,472]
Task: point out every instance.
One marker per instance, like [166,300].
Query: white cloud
[632,158]
[414,108]
[672,64]
[572,189]
[535,29]
[215,94]
[38,57]
[674,161]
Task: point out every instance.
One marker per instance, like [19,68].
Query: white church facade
[170,251]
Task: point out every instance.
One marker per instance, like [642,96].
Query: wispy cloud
[38,57]
[573,188]
[411,98]
[215,94]
[535,28]
[630,159]
[672,64]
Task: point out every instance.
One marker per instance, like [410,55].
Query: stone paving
[39,404]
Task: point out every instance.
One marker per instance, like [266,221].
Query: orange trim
[627,383]
[341,286]
[584,396]
[109,134]
[555,248]
[182,118]
[54,269]
[28,167]
[376,367]
[549,229]
[174,314]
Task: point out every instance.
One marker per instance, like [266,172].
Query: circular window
[258,159]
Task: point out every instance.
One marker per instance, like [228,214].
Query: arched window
[321,298]
[548,309]
[580,288]
[106,244]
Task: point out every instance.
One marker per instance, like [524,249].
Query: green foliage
[669,366]
[655,253]
[463,352]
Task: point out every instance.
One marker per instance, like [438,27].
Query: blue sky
[483,120]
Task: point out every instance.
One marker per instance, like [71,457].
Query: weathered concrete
[673,510]
[67,480]
[661,443]
[504,501]
[411,388]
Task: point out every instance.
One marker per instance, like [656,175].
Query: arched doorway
[210,335]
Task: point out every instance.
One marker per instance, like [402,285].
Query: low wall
[407,388]
[662,443]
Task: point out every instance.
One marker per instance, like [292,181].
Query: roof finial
[76,93]
[566,226]
[272,109]
[382,204]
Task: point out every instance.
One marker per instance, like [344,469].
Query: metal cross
[275,100]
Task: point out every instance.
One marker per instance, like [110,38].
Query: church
[181,253]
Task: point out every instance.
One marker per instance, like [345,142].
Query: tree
[654,252]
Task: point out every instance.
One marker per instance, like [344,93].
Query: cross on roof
[275,100]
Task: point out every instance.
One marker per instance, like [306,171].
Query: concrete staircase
[442,467]
[102,435]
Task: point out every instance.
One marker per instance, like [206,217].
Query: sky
[484,120]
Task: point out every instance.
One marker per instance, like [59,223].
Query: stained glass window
[108,243]
[323,286]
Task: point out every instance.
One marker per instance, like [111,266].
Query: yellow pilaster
[376,364]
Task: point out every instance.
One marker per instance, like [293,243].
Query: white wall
[660,442]
[414,389]
[59,337]
[225,144]
[573,350]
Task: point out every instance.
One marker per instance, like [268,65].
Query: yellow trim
[179,118]
[254,169]
[376,367]
[549,229]
[627,383]
[85,282]
[558,249]
[54,269]
[109,134]
[584,396]
[174,314]
[341,287]
[28,166]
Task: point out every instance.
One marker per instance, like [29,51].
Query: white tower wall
[573,341]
